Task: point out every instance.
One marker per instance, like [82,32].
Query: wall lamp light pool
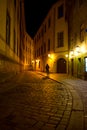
[71,52]
[37,60]
[51,56]
[77,49]
[32,61]
[75,52]
[66,55]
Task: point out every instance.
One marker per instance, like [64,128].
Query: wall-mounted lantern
[66,55]
[49,55]
[78,49]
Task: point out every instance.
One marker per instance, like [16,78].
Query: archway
[61,66]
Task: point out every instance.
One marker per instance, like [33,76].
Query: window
[41,50]
[60,39]
[14,41]
[80,2]
[15,3]
[17,47]
[85,64]
[42,32]
[8,29]
[60,11]
[49,22]
[48,44]
[37,53]
[79,65]
[82,32]
[44,48]
[39,35]
[45,28]
[35,40]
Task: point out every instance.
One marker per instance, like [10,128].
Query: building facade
[51,41]
[77,24]
[28,52]
[12,27]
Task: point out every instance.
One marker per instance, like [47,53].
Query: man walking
[47,70]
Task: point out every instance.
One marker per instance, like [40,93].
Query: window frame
[60,11]
[60,39]
[82,32]
[8,22]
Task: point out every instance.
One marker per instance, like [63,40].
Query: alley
[30,101]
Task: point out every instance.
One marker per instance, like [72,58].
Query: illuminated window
[85,64]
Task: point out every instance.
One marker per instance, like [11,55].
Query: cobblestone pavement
[78,90]
[34,102]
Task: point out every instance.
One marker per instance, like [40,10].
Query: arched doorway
[61,66]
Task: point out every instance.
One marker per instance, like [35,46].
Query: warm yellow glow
[76,53]
[77,49]
[52,56]
[49,55]
[37,60]
[32,61]
[71,52]
[83,49]
[66,55]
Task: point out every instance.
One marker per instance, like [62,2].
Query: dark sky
[35,12]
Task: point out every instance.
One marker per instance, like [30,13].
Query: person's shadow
[45,77]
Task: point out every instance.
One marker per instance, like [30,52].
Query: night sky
[35,12]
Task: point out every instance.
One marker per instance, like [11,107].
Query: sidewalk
[78,89]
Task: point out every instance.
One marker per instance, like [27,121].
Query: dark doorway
[61,66]
[72,63]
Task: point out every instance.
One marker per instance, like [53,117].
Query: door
[61,66]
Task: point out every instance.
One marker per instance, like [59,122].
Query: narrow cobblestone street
[34,102]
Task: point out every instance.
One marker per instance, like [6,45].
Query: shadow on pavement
[45,77]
